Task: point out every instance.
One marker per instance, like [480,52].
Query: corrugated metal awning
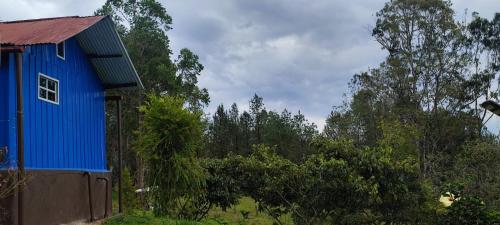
[97,36]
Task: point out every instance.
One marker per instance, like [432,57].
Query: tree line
[230,131]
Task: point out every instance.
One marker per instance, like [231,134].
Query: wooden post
[120,147]
[118,99]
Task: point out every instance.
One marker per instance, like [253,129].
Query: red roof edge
[44,19]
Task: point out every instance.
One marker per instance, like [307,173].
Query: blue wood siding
[5,109]
[8,110]
[69,135]
[4,103]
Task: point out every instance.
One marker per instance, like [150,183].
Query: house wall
[69,135]
[4,101]
[62,141]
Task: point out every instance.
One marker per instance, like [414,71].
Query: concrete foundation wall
[58,197]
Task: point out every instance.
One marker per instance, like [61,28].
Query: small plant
[245,214]
[129,194]
[9,182]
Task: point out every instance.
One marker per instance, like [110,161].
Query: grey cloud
[296,54]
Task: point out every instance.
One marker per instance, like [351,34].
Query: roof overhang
[109,56]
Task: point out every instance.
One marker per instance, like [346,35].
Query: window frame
[64,50]
[56,92]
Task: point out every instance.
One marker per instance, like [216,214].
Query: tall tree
[234,128]
[258,113]
[422,78]
[220,133]
[188,70]
[143,27]
[245,127]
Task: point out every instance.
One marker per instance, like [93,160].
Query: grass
[148,218]
[246,205]
[233,216]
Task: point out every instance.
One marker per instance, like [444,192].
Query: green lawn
[148,218]
[235,215]
[217,216]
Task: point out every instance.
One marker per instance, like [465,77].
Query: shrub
[341,184]
[466,209]
[168,139]
[129,196]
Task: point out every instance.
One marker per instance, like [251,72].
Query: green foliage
[341,183]
[401,137]
[188,70]
[431,80]
[477,166]
[220,190]
[423,101]
[143,27]
[138,218]
[255,216]
[466,209]
[168,140]
[232,132]
[347,184]
[130,200]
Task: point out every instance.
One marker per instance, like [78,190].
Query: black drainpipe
[20,131]
[18,50]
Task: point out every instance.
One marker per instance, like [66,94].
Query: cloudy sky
[296,54]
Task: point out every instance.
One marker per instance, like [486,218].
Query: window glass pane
[60,49]
[43,82]
[52,96]
[43,94]
[52,85]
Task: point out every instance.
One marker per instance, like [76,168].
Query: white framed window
[61,50]
[48,89]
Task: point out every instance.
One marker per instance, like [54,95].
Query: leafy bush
[168,139]
[222,190]
[466,209]
[341,184]
[477,167]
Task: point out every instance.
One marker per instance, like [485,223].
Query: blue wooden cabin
[67,64]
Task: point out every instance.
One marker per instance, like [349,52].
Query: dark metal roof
[96,34]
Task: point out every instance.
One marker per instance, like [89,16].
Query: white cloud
[31,9]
